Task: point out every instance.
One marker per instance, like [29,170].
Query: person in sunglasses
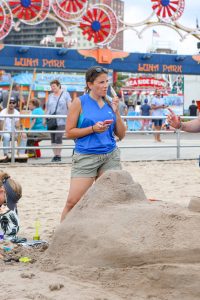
[6,125]
[10,193]
[94,123]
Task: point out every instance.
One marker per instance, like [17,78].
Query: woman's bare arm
[72,132]
[120,128]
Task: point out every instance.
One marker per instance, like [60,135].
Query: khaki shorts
[89,165]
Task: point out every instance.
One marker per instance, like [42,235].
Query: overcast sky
[138,10]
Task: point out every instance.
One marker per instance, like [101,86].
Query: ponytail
[107,101]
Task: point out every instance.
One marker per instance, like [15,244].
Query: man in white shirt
[6,125]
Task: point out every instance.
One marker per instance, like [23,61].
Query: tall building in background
[32,35]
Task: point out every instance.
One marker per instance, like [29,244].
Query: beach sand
[113,245]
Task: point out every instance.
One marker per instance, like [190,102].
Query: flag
[155,33]
[197,23]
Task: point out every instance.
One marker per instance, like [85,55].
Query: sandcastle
[116,226]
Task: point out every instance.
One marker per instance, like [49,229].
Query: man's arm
[191,126]
[153,106]
[175,121]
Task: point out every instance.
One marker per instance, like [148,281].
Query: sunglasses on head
[100,70]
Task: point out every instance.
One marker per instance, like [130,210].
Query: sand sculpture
[114,225]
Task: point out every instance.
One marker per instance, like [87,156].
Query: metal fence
[14,133]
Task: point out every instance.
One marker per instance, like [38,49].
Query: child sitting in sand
[10,193]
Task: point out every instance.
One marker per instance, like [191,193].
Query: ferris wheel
[69,10]
[168,9]
[30,12]
[100,24]
[5,19]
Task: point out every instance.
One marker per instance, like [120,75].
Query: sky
[138,10]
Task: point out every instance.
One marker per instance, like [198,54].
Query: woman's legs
[157,135]
[54,145]
[57,151]
[78,187]
[56,140]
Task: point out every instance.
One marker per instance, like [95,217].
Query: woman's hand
[173,119]
[115,104]
[100,127]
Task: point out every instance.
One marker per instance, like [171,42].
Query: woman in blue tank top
[93,122]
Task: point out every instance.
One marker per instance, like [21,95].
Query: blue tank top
[95,143]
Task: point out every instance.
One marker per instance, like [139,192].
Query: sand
[115,244]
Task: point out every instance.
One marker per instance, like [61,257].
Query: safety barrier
[13,133]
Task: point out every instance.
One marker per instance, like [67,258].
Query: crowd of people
[12,104]
[58,102]
[156,107]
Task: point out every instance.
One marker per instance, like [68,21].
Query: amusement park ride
[98,22]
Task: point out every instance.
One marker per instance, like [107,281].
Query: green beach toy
[37,226]
[25,259]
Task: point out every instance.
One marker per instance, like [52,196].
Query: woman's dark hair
[90,76]
[55,81]
[35,102]
[92,73]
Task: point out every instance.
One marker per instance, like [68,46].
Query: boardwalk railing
[14,133]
